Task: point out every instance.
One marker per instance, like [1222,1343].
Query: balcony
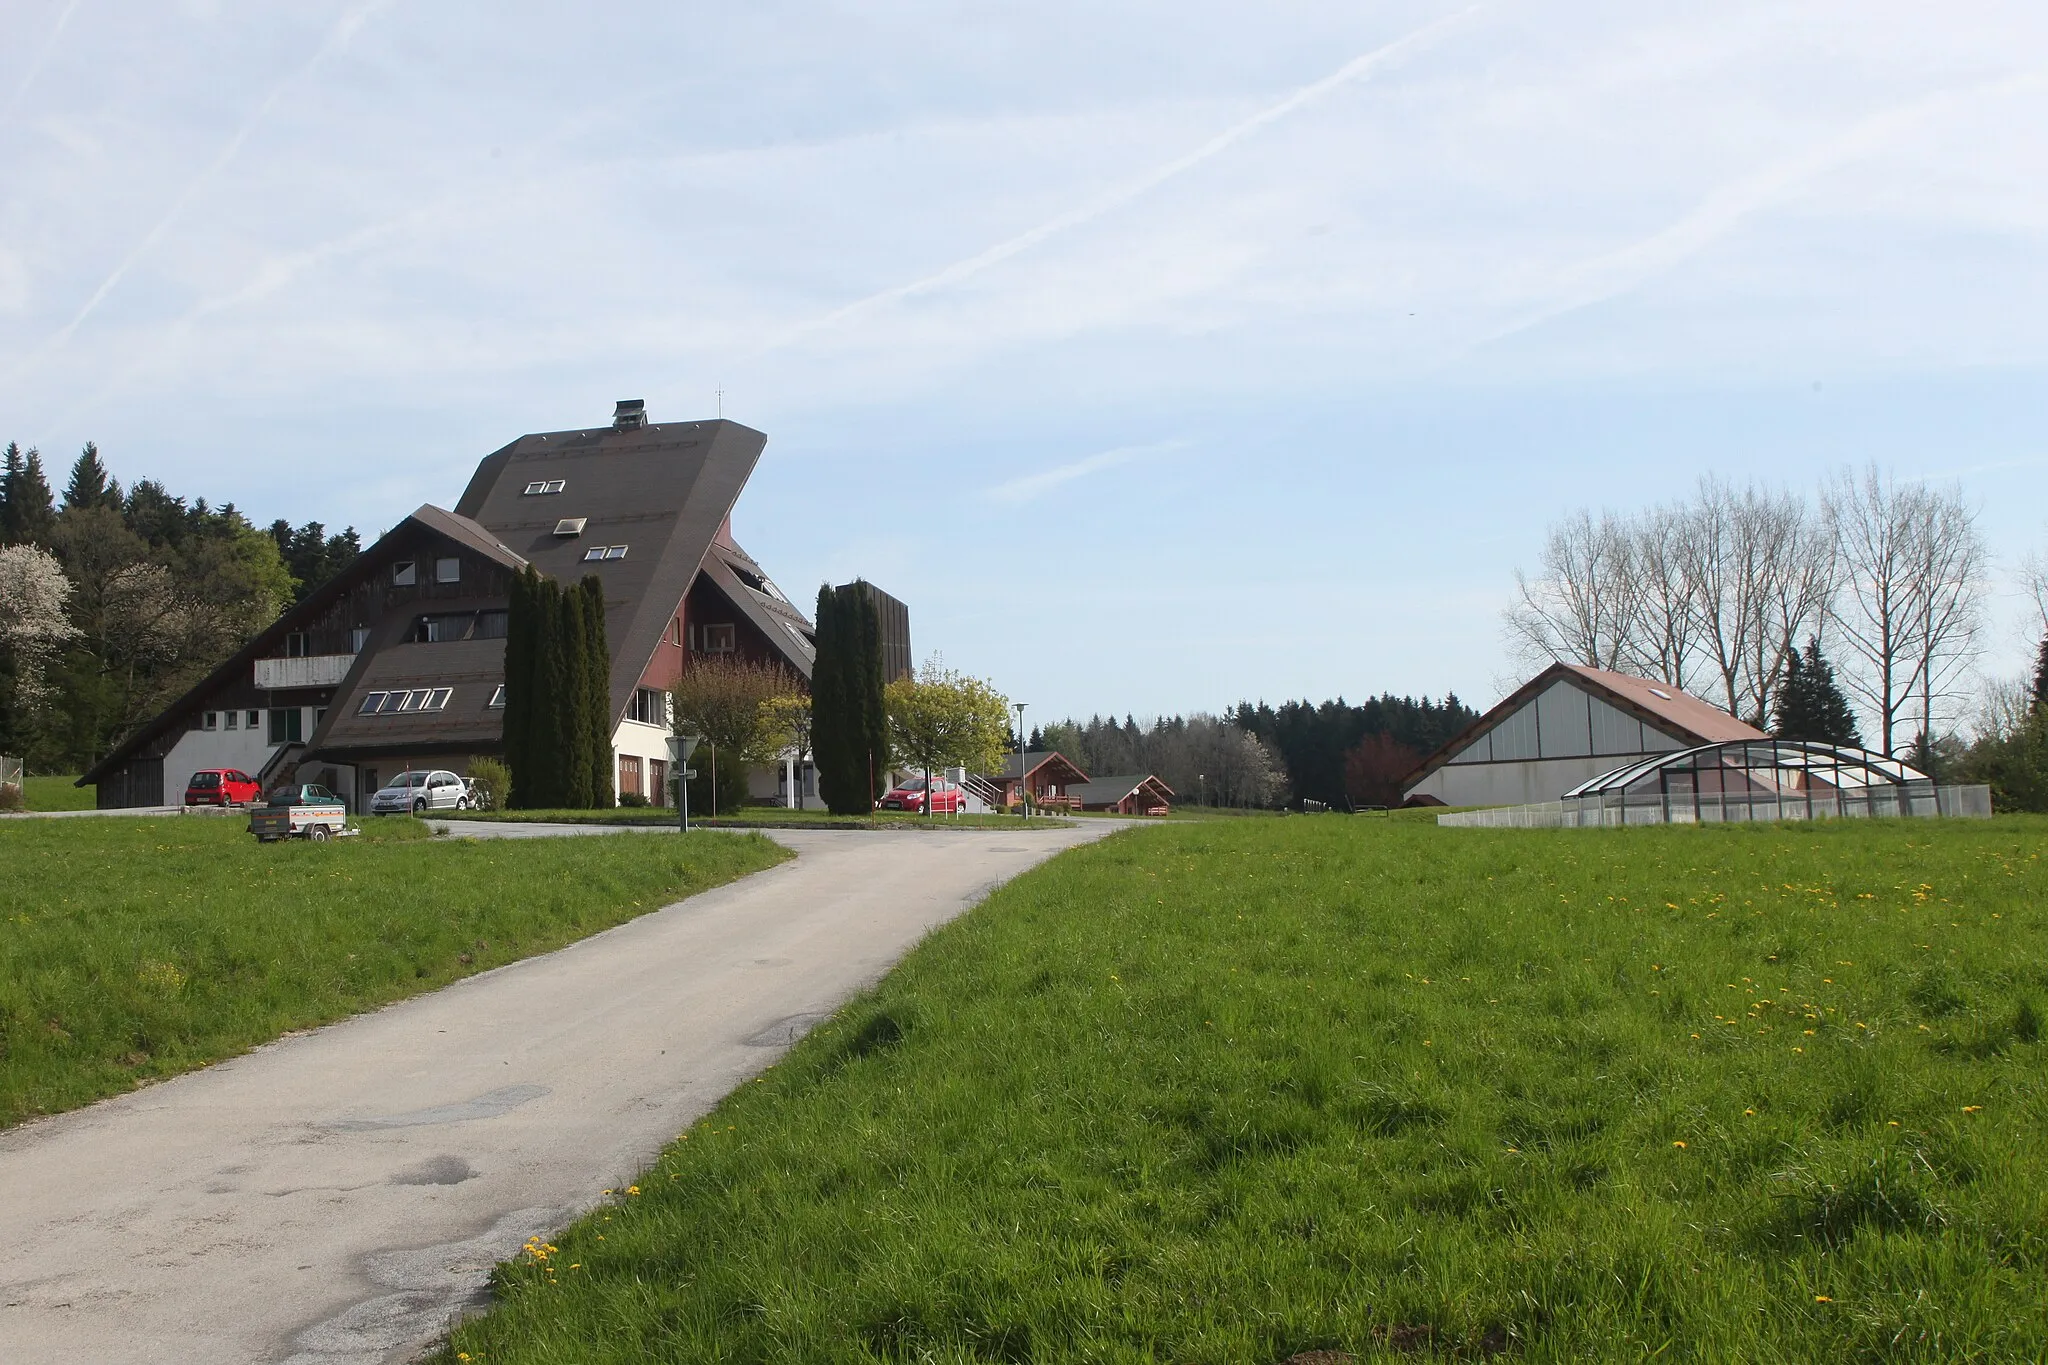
[310,670]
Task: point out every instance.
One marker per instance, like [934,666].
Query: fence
[1916,800]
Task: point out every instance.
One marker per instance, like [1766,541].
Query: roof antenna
[720,392]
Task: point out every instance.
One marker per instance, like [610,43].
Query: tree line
[1258,755]
[114,601]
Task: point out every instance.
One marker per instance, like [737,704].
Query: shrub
[10,796]
[632,799]
[489,781]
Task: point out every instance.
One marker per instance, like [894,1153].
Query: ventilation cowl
[630,414]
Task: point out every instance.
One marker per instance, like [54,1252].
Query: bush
[489,780]
[632,799]
[10,796]
[732,781]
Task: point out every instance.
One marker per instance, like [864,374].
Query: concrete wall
[1515,784]
[195,750]
[645,742]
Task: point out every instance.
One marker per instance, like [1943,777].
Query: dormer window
[542,487]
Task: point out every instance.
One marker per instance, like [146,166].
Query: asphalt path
[338,1197]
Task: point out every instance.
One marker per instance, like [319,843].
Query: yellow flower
[1678,1144]
[632,1189]
[1822,1298]
[1971,1108]
[1750,1113]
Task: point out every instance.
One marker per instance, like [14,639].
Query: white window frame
[209,720]
[228,718]
[612,552]
[404,573]
[437,699]
[543,487]
[448,569]
[253,721]
[728,634]
[373,702]
[497,700]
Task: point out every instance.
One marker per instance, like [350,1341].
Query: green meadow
[1234,1091]
[133,949]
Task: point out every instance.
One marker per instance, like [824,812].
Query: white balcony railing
[312,670]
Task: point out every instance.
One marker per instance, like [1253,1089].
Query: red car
[946,799]
[221,787]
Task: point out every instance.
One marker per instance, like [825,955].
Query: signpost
[680,747]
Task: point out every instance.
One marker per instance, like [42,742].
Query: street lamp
[1023,806]
[680,747]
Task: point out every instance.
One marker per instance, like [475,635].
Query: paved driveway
[335,1197]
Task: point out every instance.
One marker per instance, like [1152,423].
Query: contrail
[344,29]
[1629,267]
[1355,69]
[35,68]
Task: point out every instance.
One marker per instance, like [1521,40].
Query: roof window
[540,487]
[597,552]
[570,526]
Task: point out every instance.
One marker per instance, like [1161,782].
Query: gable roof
[789,630]
[1107,791]
[1682,716]
[453,526]
[1032,762]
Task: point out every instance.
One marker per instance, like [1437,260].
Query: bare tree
[1664,635]
[1912,581]
[1582,604]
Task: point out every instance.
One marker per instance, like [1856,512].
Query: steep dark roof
[789,630]
[387,547]
[662,491]
[1678,714]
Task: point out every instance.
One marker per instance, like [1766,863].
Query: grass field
[1230,1091]
[756,816]
[57,793]
[135,948]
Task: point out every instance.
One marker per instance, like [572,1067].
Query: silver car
[420,791]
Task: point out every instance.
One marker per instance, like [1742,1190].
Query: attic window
[401,574]
[597,552]
[541,486]
[570,526]
[1660,692]
[372,704]
[498,696]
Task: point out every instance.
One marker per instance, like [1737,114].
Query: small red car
[221,787]
[946,799]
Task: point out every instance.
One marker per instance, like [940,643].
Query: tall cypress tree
[831,723]
[869,685]
[597,698]
[551,740]
[520,637]
[573,701]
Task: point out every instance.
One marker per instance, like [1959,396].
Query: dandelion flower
[1822,1298]
[632,1189]
[1678,1144]
[1971,1108]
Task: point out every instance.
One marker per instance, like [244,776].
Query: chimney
[630,414]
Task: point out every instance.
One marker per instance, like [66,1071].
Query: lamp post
[1023,806]
[680,747]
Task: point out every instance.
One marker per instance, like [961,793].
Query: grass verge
[57,793]
[135,948]
[1229,1091]
[752,817]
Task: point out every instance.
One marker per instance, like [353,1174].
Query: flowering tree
[33,623]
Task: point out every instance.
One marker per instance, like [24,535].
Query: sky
[1158,355]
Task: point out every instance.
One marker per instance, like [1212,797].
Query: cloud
[1033,485]
[1358,68]
[35,67]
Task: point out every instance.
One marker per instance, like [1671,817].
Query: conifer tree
[1810,705]
[829,727]
[520,649]
[597,699]
[572,700]
[89,486]
[2040,702]
[29,515]
[872,689]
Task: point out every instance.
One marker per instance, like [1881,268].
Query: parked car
[222,787]
[946,798]
[420,791]
[307,811]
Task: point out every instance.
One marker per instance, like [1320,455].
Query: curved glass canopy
[1754,766]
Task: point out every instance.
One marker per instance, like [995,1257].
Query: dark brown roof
[1035,760]
[662,491]
[1107,791]
[1676,713]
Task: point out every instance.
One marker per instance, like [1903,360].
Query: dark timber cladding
[894,619]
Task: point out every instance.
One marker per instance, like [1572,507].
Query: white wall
[1515,784]
[644,741]
[200,749]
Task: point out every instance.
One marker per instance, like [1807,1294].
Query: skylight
[597,552]
[570,526]
[541,486]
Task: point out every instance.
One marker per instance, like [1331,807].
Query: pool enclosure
[1745,780]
